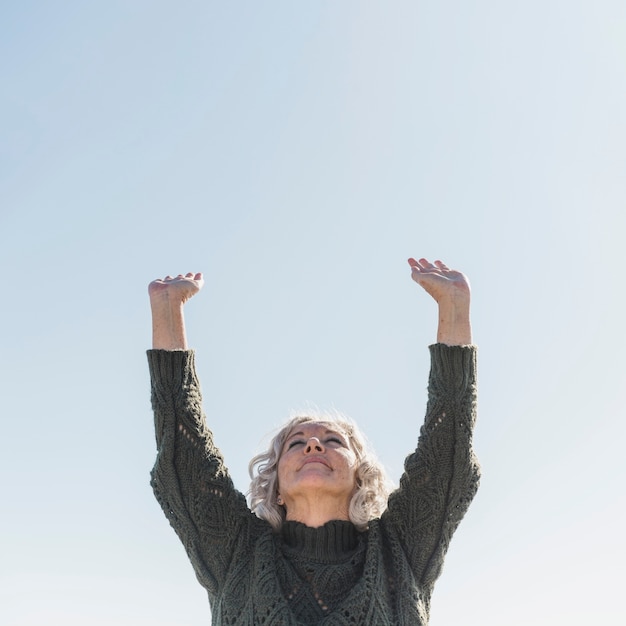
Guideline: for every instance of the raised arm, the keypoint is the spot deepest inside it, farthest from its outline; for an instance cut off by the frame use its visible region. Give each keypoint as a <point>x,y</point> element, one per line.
<point>167,298</point>
<point>451,291</point>
<point>441,476</point>
<point>189,478</point>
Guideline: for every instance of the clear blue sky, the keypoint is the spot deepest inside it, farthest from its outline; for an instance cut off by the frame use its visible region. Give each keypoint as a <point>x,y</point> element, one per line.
<point>297,153</point>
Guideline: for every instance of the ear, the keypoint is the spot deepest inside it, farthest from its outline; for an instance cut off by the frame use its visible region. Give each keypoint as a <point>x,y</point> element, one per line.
<point>279,500</point>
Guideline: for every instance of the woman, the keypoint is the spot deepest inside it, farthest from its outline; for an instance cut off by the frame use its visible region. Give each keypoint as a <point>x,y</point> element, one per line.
<point>325,546</point>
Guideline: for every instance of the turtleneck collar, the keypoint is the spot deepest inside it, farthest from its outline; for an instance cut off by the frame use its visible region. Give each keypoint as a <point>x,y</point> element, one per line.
<point>331,542</point>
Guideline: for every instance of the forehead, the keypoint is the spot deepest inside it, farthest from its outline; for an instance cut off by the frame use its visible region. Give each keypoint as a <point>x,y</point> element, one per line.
<point>315,429</point>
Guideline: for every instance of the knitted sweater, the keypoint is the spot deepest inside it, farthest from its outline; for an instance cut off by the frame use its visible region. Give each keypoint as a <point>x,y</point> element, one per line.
<point>333,575</point>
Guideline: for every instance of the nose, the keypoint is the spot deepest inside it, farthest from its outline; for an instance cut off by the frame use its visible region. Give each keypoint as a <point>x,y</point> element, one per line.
<point>313,445</point>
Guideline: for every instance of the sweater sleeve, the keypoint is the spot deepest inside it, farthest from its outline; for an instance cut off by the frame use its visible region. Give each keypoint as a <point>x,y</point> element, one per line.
<point>441,477</point>
<point>189,478</point>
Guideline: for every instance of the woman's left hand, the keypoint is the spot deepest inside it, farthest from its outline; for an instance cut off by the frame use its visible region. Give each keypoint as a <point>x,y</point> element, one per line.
<point>439,280</point>
<point>451,291</point>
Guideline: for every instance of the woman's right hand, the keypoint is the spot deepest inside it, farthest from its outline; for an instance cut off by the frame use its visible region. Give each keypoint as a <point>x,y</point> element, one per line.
<point>178,289</point>
<point>167,297</point>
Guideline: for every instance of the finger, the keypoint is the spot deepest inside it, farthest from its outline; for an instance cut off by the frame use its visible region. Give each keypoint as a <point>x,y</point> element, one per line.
<point>442,266</point>
<point>417,265</point>
<point>198,276</point>
<point>426,264</point>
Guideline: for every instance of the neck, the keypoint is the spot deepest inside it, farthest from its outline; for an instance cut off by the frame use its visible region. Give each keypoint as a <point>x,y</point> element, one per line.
<point>315,512</point>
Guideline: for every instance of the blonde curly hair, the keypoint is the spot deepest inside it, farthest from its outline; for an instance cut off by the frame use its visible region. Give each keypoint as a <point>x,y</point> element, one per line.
<point>373,487</point>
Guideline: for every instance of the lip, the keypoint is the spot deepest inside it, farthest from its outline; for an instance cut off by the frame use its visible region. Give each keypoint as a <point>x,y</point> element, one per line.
<point>315,459</point>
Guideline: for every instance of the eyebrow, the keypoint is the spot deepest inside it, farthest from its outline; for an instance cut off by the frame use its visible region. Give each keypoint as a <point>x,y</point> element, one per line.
<point>300,433</point>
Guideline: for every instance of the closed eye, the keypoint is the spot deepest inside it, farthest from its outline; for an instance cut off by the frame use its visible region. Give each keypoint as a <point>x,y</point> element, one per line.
<point>294,443</point>
<point>336,440</point>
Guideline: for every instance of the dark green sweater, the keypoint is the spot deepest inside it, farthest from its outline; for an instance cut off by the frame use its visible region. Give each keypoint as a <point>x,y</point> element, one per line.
<point>333,575</point>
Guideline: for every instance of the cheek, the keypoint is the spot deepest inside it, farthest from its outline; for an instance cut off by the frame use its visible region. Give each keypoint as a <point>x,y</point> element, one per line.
<point>279,469</point>
<point>282,468</point>
<point>350,463</point>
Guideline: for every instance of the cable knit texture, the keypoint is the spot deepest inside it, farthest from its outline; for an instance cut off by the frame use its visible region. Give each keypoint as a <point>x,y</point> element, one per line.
<point>333,575</point>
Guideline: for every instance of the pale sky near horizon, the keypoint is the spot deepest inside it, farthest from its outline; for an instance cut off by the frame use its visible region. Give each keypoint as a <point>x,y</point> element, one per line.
<point>298,154</point>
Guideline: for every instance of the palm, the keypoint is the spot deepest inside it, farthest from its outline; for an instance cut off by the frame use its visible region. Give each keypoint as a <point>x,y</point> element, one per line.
<point>439,280</point>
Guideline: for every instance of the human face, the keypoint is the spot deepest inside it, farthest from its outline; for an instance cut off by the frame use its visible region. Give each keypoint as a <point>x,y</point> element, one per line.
<point>317,461</point>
